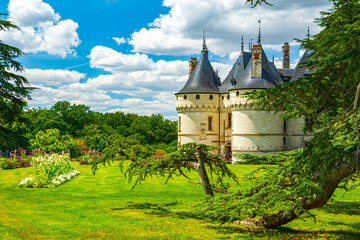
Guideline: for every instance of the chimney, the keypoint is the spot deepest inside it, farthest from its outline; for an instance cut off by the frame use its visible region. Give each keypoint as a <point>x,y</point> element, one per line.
<point>192,64</point>
<point>256,62</point>
<point>286,55</point>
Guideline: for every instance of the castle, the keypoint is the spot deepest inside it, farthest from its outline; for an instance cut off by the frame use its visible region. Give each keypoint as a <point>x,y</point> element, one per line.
<point>218,114</point>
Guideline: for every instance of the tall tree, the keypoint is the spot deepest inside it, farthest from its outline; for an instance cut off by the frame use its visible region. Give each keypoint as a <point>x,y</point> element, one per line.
<point>328,99</point>
<point>14,89</point>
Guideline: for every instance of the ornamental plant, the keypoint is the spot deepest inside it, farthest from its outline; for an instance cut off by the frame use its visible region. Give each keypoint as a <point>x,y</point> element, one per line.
<point>89,156</point>
<point>15,159</point>
<point>48,169</point>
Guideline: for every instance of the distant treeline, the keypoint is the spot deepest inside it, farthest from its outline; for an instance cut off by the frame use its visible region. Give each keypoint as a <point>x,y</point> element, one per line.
<point>90,129</point>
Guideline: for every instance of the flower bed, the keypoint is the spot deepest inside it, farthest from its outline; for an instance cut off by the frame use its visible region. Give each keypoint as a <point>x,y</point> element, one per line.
<point>49,171</point>
<point>15,159</point>
<point>89,156</point>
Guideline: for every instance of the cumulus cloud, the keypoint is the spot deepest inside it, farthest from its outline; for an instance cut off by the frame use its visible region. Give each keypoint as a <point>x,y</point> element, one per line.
<point>52,77</point>
<point>179,31</point>
<point>41,29</point>
<point>119,40</point>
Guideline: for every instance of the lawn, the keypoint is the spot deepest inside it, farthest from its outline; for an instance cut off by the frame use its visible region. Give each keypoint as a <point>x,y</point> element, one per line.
<point>102,206</point>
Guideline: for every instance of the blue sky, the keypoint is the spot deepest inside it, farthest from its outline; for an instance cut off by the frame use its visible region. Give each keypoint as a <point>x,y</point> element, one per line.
<point>132,56</point>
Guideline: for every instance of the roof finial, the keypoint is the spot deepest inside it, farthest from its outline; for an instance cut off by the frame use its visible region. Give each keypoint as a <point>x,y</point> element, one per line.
<point>259,37</point>
<point>308,34</point>
<point>249,45</point>
<point>273,59</point>
<point>204,50</point>
<point>242,43</point>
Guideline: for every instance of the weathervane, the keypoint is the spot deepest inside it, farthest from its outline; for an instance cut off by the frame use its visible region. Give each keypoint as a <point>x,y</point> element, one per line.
<point>259,37</point>
<point>242,43</point>
<point>204,42</point>
<point>308,34</point>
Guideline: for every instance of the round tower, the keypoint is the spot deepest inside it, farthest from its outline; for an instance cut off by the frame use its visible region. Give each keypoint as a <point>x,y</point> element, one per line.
<point>197,104</point>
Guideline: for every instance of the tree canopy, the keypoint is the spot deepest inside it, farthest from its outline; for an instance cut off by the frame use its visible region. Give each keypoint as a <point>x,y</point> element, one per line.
<point>328,99</point>
<point>14,90</point>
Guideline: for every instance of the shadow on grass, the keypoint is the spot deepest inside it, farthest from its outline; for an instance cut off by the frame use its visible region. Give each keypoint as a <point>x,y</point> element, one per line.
<point>349,208</point>
<point>282,233</point>
<point>160,210</point>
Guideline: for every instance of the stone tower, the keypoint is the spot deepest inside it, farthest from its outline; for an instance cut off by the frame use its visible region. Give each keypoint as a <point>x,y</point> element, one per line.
<point>197,104</point>
<point>286,55</point>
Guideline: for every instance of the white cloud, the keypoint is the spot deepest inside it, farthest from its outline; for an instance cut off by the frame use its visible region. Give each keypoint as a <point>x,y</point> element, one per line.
<point>41,29</point>
<point>180,31</point>
<point>119,40</point>
<point>52,77</point>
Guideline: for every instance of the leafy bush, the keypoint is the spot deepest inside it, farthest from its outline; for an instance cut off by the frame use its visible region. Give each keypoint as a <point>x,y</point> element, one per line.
<point>46,169</point>
<point>52,141</point>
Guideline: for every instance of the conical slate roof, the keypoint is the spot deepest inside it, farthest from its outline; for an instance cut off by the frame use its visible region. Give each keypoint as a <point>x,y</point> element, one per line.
<point>300,71</point>
<point>237,71</point>
<point>203,78</point>
<point>270,77</point>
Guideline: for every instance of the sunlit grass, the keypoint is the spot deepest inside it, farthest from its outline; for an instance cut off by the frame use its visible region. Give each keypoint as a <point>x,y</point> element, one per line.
<point>103,206</point>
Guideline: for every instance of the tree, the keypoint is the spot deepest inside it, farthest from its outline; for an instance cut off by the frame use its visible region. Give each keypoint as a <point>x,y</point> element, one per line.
<point>187,158</point>
<point>306,178</point>
<point>14,90</point>
<point>328,99</point>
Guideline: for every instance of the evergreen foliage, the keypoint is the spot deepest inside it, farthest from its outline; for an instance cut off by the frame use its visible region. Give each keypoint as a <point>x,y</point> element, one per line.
<point>328,98</point>
<point>14,91</point>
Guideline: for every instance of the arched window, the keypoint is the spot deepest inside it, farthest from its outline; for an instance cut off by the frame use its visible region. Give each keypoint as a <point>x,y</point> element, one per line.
<point>228,96</point>
<point>211,97</point>
<point>237,93</point>
<point>222,97</point>
<point>184,96</point>
<point>197,96</point>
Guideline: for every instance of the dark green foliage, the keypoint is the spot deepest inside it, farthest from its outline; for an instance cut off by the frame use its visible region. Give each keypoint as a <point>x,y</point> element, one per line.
<point>178,163</point>
<point>328,98</point>
<point>268,159</point>
<point>14,91</point>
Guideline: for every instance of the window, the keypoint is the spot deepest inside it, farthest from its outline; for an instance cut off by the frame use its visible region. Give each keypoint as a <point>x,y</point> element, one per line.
<point>229,120</point>
<point>210,123</point>
<point>184,96</point>
<point>211,97</point>
<point>222,97</point>
<point>197,96</point>
<point>179,124</point>
<point>228,96</point>
<point>237,93</point>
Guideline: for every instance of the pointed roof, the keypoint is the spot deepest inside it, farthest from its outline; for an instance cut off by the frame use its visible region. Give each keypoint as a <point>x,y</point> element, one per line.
<point>237,71</point>
<point>241,73</point>
<point>203,78</point>
<point>300,70</point>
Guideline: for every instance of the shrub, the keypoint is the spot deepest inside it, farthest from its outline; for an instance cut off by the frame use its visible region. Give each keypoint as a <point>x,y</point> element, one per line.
<point>47,168</point>
<point>52,141</point>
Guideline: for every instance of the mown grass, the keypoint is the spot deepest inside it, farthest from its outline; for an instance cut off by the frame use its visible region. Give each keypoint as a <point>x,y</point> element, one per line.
<point>103,207</point>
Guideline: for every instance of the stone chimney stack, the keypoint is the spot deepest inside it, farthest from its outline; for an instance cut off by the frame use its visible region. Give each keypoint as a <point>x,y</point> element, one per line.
<point>286,55</point>
<point>256,62</point>
<point>192,64</point>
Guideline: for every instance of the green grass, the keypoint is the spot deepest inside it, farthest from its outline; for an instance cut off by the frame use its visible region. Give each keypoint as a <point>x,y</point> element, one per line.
<point>103,207</point>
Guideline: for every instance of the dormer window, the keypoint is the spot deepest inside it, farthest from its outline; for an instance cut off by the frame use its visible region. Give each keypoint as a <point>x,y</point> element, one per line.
<point>211,97</point>
<point>197,96</point>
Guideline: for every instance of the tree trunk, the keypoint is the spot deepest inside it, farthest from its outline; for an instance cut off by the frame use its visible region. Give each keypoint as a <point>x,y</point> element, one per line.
<point>333,178</point>
<point>204,179</point>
